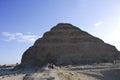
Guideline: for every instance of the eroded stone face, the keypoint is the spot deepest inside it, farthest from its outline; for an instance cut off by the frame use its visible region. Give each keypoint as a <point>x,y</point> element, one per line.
<point>66,44</point>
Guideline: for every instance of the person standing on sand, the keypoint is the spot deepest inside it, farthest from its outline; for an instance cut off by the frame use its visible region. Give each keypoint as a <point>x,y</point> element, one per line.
<point>52,66</point>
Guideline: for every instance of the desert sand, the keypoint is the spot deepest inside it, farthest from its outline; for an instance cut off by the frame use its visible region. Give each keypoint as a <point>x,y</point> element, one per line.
<point>102,71</point>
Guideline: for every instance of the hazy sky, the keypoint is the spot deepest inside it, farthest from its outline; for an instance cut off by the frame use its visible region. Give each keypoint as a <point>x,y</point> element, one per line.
<point>23,21</point>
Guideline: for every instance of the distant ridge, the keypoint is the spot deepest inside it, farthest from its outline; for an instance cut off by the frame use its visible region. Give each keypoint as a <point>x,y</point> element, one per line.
<point>66,44</point>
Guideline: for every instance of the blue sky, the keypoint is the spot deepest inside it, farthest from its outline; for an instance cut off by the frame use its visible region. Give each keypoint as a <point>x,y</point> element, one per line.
<point>23,21</point>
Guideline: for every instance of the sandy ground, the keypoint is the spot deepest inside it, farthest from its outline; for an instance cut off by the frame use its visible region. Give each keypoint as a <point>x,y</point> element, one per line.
<point>83,72</point>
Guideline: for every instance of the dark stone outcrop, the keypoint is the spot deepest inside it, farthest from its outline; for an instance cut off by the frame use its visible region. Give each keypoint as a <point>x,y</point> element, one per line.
<point>66,44</point>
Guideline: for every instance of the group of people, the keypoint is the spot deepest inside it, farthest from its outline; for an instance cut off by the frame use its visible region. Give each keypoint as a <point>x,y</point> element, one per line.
<point>51,66</point>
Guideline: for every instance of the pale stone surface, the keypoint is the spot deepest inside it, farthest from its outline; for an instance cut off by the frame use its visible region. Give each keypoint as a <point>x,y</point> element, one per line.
<point>66,44</point>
